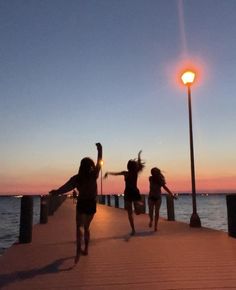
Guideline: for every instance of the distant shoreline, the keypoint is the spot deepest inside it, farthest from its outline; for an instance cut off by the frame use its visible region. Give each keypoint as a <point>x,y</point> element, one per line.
<point>179,194</point>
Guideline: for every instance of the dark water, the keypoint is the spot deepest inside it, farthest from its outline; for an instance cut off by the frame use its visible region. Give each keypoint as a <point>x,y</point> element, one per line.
<point>211,209</point>
<point>10,219</point>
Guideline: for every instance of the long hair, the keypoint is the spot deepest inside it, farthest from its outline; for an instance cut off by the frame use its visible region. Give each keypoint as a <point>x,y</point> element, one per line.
<point>135,166</point>
<point>86,169</point>
<point>157,175</point>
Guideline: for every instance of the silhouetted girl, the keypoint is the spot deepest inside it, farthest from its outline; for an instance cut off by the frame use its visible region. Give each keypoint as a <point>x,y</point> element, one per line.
<point>131,193</point>
<point>86,183</point>
<point>157,181</point>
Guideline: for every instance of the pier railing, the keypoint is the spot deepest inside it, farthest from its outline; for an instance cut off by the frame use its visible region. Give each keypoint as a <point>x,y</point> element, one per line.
<point>50,203</point>
<point>118,202</point>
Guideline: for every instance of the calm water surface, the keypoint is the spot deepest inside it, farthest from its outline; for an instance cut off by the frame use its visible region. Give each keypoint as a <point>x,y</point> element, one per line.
<point>10,219</point>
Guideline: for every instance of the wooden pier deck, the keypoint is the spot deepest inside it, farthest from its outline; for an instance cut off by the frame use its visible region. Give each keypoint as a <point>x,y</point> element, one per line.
<point>176,257</point>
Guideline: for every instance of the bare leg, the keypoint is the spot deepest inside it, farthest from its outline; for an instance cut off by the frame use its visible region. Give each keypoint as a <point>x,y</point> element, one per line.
<point>87,221</point>
<point>128,207</point>
<point>78,243</point>
<point>131,221</point>
<point>86,241</point>
<point>156,219</point>
<point>157,210</point>
<point>150,205</point>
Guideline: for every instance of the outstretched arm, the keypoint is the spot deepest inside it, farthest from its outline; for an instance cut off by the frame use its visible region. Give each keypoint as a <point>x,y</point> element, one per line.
<point>169,191</point>
<point>68,186</point>
<point>114,173</point>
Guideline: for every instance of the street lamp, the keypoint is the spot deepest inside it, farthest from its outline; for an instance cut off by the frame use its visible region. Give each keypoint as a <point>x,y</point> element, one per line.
<point>188,79</point>
<point>101,164</point>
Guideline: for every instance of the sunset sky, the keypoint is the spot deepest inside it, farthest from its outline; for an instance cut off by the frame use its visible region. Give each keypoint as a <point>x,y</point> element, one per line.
<point>77,72</point>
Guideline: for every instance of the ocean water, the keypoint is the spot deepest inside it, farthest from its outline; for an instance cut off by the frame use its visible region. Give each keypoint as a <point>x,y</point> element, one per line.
<point>10,219</point>
<point>211,209</point>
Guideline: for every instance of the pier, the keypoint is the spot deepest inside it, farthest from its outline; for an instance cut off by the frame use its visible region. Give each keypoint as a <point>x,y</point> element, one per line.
<point>175,257</point>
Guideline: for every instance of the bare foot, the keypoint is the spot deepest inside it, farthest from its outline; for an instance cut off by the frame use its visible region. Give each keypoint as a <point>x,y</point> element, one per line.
<point>133,233</point>
<point>77,258</point>
<point>84,252</point>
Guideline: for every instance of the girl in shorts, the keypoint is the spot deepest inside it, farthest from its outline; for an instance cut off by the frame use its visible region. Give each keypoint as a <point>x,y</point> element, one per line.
<point>156,181</point>
<point>86,184</point>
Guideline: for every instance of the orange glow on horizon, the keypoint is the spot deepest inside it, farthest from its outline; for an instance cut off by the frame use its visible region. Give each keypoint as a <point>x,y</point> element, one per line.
<point>115,185</point>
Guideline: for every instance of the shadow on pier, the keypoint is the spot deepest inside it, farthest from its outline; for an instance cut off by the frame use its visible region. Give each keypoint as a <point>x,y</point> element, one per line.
<point>52,268</point>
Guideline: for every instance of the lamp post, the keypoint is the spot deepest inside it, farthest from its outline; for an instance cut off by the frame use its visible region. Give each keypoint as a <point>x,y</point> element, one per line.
<point>101,164</point>
<point>188,79</point>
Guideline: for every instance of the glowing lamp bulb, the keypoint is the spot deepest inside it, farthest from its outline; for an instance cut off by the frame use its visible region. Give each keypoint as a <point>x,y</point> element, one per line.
<point>188,77</point>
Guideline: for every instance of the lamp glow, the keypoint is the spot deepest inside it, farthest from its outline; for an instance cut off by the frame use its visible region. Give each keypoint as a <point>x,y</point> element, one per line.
<point>188,77</point>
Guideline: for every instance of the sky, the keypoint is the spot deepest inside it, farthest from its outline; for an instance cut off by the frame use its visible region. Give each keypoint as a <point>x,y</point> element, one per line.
<point>77,72</point>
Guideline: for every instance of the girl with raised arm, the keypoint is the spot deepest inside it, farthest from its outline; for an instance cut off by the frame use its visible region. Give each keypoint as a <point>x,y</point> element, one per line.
<point>86,184</point>
<point>131,194</point>
<point>156,181</point>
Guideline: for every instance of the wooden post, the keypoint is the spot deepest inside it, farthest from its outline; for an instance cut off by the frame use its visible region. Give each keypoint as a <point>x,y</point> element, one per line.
<point>103,199</point>
<point>51,204</point>
<point>116,201</point>
<point>26,219</point>
<point>143,199</point>
<point>231,214</point>
<point>170,208</point>
<point>123,197</point>
<point>44,209</point>
<point>108,200</point>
